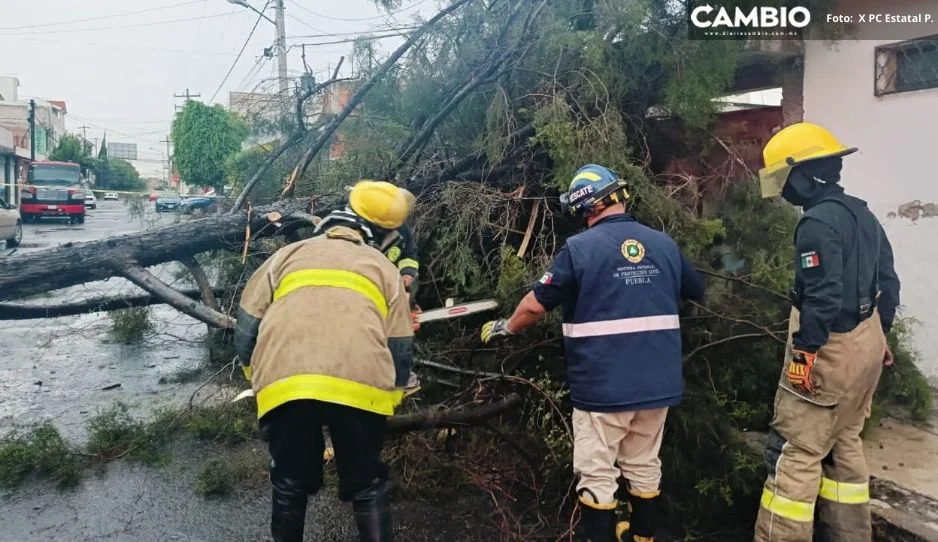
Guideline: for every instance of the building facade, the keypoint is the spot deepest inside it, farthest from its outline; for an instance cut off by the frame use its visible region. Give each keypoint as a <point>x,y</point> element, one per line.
<point>879,93</point>
<point>14,116</point>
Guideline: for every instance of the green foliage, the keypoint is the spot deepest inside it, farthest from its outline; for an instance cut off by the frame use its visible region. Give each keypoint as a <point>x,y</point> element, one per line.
<point>204,138</point>
<point>112,433</point>
<point>70,149</point>
<point>220,475</point>
<point>117,174</point>
<point>42,450</point>
<point>130,325</point>
<point>903,384</point>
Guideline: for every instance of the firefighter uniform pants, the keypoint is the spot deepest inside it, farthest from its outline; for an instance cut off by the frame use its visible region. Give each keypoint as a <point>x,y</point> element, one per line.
<point>293,432</point>
<point>632,439</point>
<point>814,453</point>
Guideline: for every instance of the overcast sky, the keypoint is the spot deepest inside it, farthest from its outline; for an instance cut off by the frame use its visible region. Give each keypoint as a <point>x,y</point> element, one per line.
<point>117,63</point>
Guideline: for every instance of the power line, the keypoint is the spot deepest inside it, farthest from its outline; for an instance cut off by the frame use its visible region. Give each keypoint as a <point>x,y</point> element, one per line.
<point>311,12</point>
<point>359,33</point>
<point>195,40</point>
<point>241,52</point>
<point>131,46</point>
<point>121,27</point>
<point>113,16</point>
<point>363,38</point>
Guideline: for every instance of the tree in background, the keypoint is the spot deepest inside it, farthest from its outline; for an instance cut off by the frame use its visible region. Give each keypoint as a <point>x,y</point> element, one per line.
<point>117,174</point>
<point>204,138</point>
<point>70,149</point>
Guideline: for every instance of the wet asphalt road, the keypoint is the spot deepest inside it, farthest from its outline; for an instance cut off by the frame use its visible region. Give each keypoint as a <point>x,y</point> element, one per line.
<point>54,370</point>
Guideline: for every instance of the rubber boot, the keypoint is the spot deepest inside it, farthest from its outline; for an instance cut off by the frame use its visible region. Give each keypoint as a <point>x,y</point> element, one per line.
<point>288,512</point>
<point>597,521</point>
<point>372,508</point>
<point>643,520</point>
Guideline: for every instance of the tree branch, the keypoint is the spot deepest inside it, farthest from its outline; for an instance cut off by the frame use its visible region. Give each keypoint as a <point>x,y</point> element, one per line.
<point>359,95</point>
<point>135,273</point>
<point>446,417</point>
<point>9,311</point>
<point>724,340</point>
<point>746,282</point>
<point>291,140</point>
<point>201,280</point>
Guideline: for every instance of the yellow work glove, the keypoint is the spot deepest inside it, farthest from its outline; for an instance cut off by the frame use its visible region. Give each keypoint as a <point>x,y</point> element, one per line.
<point>246,369</point>
<point>495,328</point>
<point>799,370</point>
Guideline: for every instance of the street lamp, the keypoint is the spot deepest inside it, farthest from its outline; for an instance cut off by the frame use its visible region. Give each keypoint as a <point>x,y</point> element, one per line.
<point>281,43</point>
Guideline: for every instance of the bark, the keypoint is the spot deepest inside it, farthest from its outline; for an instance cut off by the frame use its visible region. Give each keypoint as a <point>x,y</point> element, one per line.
<point>10,311</point>
<point>77,263</point>
<point>444,417</point>
<point>133,272</point>
<point>201,280</point>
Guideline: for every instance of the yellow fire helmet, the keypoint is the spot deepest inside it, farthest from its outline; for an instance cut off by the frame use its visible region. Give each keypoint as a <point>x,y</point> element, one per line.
<point>796,144</point>
<point>381,203</point>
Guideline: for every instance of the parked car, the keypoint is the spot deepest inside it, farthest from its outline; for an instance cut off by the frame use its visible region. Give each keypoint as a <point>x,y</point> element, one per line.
<point>90,200</point>
<point>198,203</point>
<point>112,196</point>
<point>167,202</point>
<point>11,224</point>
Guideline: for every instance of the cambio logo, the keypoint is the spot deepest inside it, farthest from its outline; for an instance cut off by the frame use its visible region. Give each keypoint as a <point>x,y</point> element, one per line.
<point>758,17</point>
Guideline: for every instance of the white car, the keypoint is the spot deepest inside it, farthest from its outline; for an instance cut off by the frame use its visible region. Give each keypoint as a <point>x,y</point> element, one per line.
<point>11,225</point>
<point>91,202</point>
<point>110,196</point>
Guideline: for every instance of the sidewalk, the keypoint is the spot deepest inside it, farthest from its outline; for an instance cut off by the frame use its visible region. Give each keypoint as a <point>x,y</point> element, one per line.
<point>903,459</point>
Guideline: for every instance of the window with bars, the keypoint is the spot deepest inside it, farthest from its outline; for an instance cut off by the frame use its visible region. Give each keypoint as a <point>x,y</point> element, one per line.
<point>906,66</point>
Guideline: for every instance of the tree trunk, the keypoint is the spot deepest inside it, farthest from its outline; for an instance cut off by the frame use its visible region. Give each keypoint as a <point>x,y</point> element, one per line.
<point>77,263</point>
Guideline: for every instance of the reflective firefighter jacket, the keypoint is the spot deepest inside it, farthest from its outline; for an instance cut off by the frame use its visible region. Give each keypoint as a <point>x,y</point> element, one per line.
<point>326,318</point>
<point>620,285</point>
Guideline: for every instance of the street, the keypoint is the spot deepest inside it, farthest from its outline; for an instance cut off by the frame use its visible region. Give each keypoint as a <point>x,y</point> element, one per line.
<point>55,369</point>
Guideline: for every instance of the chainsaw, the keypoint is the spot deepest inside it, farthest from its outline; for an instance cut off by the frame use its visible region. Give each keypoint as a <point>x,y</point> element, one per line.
<point>447,311</point>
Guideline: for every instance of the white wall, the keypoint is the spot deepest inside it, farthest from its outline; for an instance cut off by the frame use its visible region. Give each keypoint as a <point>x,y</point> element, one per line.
<point>897,163</point>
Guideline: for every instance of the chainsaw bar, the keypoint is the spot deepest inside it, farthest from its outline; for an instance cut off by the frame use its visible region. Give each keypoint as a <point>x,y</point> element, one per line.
<point>457,311</point>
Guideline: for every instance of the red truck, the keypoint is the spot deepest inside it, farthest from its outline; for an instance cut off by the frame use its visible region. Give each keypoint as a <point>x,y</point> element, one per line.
<point>53,189</point>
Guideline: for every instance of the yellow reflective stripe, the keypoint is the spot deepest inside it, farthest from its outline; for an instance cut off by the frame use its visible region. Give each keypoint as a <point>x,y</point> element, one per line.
<point>844,492</point>
<point>787,508</point>
<point>408,262</point>
<point>599,506</point>
<point>588,175</point>
<point>645,494</point>
<point>336,279</point>
<point>329,389</point>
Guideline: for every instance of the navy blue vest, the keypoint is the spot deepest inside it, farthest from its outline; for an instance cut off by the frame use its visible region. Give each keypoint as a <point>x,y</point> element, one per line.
<point>622,336</point>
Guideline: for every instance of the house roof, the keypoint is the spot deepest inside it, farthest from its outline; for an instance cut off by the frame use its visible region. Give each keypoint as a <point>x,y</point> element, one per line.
<point>60,104</point>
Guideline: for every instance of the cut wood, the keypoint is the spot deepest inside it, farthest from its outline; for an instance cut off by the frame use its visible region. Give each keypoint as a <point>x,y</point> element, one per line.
<point>446,417</point>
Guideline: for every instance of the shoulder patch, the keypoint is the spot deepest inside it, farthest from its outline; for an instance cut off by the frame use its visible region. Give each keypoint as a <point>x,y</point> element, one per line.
<point>810,260</point>
<point>546,278</point>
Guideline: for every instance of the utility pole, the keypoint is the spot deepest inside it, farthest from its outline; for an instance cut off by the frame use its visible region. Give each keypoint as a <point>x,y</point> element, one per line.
<point>282,48</point>
<point>187,96</point>
<point>84,136</point>
<point>169,159</point>
<point>32,130</point>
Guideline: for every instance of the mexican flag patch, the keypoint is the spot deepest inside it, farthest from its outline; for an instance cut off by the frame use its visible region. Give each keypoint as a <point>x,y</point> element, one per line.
<point>810,260</point>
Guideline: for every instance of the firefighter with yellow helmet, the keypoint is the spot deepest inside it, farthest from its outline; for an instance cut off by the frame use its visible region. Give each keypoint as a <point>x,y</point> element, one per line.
<point>324,335</point>
<point>844,303</point>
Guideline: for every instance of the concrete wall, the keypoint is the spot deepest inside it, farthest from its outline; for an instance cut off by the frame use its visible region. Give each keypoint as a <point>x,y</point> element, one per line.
<point>897,163</point>
<point>9,88</point>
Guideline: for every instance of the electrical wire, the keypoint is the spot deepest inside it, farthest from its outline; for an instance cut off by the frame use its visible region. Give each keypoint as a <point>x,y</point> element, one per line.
<point>130,46</point>
<point>359,33</point>
<point>195,40</point>
<point>353,40</point>
<point>241,52</point>
<point>113,16</point>
<point>121,27</point>
<point>311,12</point>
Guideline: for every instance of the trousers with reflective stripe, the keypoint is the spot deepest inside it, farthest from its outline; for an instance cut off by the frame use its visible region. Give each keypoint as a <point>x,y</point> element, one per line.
<point>814,453</point>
